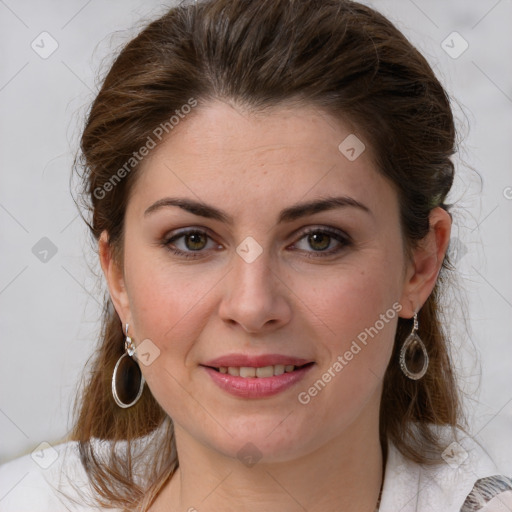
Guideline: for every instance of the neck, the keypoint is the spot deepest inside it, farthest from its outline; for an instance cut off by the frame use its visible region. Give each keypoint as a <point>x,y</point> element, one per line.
<point>345,473</point>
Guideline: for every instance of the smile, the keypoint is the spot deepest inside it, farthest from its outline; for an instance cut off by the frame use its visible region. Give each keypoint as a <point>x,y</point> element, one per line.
<point>257,382</point>
<point>260,372</point>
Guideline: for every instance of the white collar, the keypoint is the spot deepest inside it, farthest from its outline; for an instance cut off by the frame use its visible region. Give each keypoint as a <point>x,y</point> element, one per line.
<point>412,487</point>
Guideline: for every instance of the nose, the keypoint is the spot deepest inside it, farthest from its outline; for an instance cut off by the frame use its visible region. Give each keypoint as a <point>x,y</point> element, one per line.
<point>255,296</point>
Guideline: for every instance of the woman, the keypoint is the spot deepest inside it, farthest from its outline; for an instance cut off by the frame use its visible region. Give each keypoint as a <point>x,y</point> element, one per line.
<point>267,183</point>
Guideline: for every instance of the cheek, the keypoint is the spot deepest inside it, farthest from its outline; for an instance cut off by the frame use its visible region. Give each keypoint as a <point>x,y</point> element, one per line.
<point>356,353</point>
<point>351,298</point>
<point>167,308</point>
<point>359,309</point>
<point>166,302</point>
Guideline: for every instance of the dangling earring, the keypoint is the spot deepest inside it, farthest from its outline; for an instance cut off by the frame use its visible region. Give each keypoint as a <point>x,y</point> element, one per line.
<point>127,379</point>
<point>413,354</point>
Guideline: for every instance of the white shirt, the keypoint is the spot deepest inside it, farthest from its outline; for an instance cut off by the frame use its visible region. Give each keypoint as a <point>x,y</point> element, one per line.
<point>31,483</point>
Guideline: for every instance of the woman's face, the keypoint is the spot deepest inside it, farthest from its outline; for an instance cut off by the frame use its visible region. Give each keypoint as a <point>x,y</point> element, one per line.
<point>259,274</point>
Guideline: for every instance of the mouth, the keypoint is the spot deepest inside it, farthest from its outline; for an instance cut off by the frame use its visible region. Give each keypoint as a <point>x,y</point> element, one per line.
<point>255,382</point>
<point>260,372</point>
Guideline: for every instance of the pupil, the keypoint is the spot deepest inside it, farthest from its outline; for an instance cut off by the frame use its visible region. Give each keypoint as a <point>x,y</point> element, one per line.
<point>194,238</point>
<point>319,237</point>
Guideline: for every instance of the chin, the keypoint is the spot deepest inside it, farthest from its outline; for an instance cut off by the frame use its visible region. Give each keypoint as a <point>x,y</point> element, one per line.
<point>255,441</point>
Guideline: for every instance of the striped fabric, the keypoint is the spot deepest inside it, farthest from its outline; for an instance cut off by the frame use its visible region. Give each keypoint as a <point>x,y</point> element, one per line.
<point>497,488</point>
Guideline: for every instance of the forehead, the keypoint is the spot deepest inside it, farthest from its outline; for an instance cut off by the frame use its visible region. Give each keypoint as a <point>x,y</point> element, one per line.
<point>221,130</point>
<point>286,152</point>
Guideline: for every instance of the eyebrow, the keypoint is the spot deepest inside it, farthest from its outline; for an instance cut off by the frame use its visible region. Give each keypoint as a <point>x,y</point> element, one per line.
<point>287,215</point>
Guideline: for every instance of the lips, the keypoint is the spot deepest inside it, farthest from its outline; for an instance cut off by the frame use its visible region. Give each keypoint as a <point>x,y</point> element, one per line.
<point>257,376</point>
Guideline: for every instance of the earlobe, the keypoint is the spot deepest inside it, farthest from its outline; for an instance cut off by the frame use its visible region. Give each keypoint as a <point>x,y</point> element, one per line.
<point>427,261</point>
<point>114,277</point>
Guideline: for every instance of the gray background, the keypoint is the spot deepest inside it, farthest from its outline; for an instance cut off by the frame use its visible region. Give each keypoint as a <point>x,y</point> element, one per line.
<point>49,307</point>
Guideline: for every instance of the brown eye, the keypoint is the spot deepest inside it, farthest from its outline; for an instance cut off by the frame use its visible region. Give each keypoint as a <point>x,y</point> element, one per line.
<point>191,243</point>
<point>319,241</point>
<point>195,241</point>
<point>322,242</point>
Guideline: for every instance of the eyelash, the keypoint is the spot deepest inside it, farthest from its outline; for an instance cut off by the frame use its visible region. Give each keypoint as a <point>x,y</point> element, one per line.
<point>332,233</point>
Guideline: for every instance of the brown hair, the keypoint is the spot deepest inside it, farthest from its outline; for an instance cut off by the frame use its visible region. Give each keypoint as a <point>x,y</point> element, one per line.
<point>337,55</point>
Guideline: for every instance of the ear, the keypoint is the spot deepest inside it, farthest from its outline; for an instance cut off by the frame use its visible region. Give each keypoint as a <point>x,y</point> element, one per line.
<point>115,279</point>
<point>422,272</point>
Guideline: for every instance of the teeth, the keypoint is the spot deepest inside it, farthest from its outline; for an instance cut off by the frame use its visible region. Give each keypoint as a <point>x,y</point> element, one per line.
<point>278,369</point>
<point>262,372</point>
<point>266,371</point>
<point>245,371</point>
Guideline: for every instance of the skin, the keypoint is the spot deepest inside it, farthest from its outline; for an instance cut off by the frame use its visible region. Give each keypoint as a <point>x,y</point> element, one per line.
<point>325,455</point>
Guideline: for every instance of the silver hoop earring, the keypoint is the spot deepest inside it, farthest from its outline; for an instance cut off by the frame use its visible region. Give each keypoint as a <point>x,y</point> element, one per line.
<point>413,354</point>
<point>127,379</point>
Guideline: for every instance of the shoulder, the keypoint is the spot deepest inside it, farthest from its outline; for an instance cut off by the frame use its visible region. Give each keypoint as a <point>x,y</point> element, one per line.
<point>49,479</point>
<point>467,479</point>
<point>490,494</point>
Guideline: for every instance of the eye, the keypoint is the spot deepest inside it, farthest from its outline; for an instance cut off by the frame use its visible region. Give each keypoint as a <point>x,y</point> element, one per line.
<point>194,243</point>
<point>188,242</point>
<point>320,240</point>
